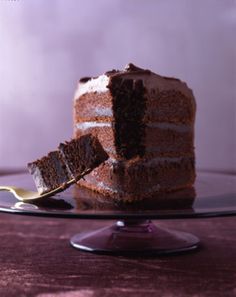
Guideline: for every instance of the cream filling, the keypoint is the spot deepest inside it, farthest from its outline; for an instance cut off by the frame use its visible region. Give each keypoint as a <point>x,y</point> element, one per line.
<point>105,112</point>
<point>98,85</point>
<point>165,126</point>
<point>170,126</point>
<point>38,181</point>
<point>102,186</point>
<point>88,125</point>
<point>154,161</point>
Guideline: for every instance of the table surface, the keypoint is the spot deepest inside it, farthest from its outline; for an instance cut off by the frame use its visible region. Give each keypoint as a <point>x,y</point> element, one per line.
<point>36,259</point>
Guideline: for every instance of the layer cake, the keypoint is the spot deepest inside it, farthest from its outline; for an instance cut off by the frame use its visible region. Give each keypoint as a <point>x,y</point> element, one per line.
<point>145,123</point>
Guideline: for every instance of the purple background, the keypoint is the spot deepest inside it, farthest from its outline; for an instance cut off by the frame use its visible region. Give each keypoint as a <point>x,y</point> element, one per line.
<point>46,46</point>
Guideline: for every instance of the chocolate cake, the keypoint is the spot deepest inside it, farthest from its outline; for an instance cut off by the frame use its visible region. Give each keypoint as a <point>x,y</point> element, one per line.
<point>145,122</point>
<point>72,160</point>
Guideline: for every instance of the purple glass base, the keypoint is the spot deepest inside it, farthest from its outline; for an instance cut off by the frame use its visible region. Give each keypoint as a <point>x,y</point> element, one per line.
<point>130,237</point>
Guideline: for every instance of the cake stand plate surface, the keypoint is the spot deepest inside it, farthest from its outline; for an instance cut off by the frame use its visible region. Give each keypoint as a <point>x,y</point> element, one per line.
<point>213,195</point>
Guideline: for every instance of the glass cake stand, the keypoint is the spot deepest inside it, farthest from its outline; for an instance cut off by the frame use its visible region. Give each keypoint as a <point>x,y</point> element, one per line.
<point>214,195</point>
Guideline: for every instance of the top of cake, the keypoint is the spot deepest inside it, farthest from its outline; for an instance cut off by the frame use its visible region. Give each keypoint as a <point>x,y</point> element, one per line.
<point>150,81</point>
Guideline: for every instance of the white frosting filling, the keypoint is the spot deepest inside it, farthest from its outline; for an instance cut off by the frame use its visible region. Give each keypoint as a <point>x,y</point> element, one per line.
<point>88,125</point>
<point>104,112</point>
<point>98,85</point>
<point>158,160</point>
<point>101,185</point>
<point>37,174</point>
<point>179,128</point>
<point>154,161</point>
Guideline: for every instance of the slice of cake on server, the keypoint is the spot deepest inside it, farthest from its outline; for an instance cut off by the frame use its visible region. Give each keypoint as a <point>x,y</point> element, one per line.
<point>145,122</point>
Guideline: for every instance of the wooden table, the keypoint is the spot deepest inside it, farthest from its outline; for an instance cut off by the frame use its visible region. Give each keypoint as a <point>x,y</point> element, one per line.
<point>37,260</point>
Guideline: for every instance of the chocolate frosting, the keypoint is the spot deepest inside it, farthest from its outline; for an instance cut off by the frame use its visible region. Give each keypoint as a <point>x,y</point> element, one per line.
<point>85,79</point>
<point>129,68</point>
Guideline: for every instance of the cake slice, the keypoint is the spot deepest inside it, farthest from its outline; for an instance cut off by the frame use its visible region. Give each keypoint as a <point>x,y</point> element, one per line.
<point>82,155</point>
<point>49,172</point>
<point>72,160</point>
<point>145,122</point>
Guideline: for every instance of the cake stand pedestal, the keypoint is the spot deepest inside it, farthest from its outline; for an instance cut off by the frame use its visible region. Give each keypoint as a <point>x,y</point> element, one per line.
<point>134,232</point>
<point>135,237</point>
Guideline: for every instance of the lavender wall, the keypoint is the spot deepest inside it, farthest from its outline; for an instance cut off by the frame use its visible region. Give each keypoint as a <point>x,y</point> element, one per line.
<point>46,46</point>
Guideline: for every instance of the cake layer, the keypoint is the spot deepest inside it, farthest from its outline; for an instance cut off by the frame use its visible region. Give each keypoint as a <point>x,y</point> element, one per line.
<point>93,107</point>
<point>167,106</point>
<point>140,178</point>
<point>87,199</point>
<point>82,154</point>
<point>166,99</point>
<point>158,138</point>
<point>170,106</point>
